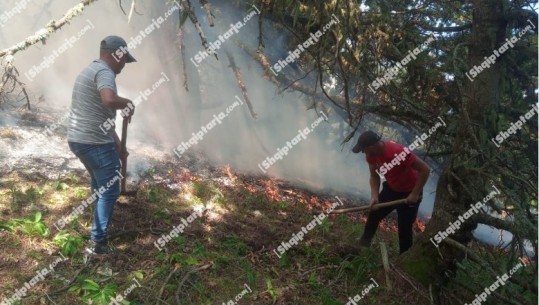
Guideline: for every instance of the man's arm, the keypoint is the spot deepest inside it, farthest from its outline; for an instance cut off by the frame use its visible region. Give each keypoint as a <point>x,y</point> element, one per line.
<point>424,171</point>
<point>374,182</point>
<point>111,100</point>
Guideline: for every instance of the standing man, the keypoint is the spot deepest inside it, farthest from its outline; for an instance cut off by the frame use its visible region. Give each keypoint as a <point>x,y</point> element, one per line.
<point>94,102</point>
<point>405,176</point>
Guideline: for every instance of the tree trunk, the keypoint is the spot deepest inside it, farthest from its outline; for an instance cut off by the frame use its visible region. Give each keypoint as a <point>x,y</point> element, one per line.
<point>454,190</point>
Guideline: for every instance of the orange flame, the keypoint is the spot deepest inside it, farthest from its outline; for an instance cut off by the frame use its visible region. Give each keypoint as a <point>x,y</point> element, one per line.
<point>525,260</point>
<point>272,191</point>
<point>229,173</point>
<point>420,225</point>
<point>251,188</point>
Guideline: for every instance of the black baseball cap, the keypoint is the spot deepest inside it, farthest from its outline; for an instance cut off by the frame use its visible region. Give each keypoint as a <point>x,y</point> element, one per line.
<point>366,139</point>
<point>114,43</point>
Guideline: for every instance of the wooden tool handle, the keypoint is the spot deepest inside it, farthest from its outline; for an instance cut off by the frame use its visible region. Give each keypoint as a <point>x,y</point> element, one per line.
<point>367,207</point>
<point>123,155</point>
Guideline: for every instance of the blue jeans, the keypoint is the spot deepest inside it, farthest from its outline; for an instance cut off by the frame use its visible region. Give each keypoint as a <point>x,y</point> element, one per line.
<point>103,163</point>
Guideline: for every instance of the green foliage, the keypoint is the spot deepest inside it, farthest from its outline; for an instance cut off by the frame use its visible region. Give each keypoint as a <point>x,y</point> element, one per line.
<point>150,172</point>
<point>317,254</point>
<point>325,226</point>
<point>360,266</point>
<point>271,290</point>
<point>283,204</point>
<point>31,226</point>
<point>162,213</point>
<point>183,259</point>
<point>59,185</point>
<point>33,194</point>
<point>250,273</point>
<point>206,191</point>
<point>284,260</point>
<point>81,193</point>
<point>68,243</point>
<point>152,194</point>
<point>94,294</point>
<point>234,244</point>
<point>199,250</point>
<point>17,196</point>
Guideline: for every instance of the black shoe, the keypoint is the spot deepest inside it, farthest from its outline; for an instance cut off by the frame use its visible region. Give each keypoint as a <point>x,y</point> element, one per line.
<point>364,244</point>
<point>100,248</point>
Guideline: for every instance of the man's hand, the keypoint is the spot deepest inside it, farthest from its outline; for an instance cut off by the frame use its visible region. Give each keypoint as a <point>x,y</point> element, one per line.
<point>412,198</point>
<point>131,107</point>
<point>124,154</point>
<point>374,201</point>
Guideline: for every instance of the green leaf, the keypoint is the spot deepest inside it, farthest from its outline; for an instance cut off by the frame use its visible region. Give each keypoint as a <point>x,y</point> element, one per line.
<point>139,275</point>
<point>6,226</point>
<point>37,217</point>
<point>90,285</point>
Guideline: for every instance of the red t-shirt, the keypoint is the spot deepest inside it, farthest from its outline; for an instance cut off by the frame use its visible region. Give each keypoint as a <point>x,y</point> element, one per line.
<point>396,166</point>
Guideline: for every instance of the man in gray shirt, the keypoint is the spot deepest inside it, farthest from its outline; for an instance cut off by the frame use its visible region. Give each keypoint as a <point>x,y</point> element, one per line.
<point>91,135</point>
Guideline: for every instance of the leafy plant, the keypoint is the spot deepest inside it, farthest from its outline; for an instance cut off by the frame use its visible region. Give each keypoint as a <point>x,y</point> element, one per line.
<point>206,190</point>
<point>152,194</point>
<point>199,250</point>
<point>81,193</point>
<point>150,172</point>
<point>94,294</point>
<point>317,254</point>
<point>69,243</point>
<point>73,179</point>
<point>16,197</point>
<point>283,204</point>
<point>59,185</point>
<point>33,194</point>
<point>251,274</point>
<point>361,266</point>
<point>31,226</point>
<point>284,261</point>
<point>271,290</point>
<point>162,213</point>
<point>234,244</point>
<point>183,259</point>
<point>325,226</point>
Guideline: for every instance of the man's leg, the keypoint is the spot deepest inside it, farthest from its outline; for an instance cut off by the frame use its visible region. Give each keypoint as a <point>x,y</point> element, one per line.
<point>374,218</point>
<point>103,164</point>
<point>108,190</point>
<point>80,150</point>
<point>407,215</point>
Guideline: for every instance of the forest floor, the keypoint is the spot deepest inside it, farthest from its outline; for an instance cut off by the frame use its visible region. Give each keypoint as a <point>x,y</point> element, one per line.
<point>229,255</point>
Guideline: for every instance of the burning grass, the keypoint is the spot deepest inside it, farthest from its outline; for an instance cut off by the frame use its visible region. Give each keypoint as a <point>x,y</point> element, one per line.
<point>229,247</point>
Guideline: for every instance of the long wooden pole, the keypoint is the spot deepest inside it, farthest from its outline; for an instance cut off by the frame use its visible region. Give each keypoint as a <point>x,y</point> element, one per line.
<point>368,207</point>
<point>123,155</point>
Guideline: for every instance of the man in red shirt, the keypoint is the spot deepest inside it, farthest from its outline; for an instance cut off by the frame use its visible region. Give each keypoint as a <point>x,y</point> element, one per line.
<point>405,176</point>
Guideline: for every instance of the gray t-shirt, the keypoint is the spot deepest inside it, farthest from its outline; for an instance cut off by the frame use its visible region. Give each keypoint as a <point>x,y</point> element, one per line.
<point>88,112</point>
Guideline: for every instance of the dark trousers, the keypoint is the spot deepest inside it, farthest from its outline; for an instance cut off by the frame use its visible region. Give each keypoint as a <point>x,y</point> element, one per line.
<point>407,214</point>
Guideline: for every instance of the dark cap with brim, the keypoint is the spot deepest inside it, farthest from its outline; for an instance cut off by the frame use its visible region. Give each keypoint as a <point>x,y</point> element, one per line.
<point>115,43</point>
<point>366,139</point>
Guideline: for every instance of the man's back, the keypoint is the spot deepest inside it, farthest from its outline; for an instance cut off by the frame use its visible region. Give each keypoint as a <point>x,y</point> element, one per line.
<point>88,112</point>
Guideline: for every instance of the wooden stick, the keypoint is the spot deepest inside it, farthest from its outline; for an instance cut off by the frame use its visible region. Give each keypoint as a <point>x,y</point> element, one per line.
<point>385,262</point>
<point>368,207</point>
<point>123,155</point>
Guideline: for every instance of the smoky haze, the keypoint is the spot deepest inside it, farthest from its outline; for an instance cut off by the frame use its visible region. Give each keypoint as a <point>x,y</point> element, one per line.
<point>171,114</point>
